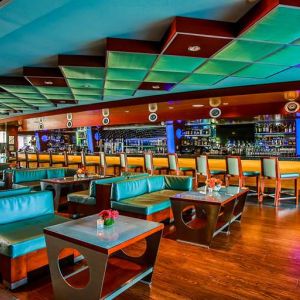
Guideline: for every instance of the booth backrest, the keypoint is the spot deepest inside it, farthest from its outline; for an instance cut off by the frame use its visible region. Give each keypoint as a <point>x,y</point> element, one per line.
<point>26,206</point>
<point>179,183</point>
<point>15,191</point>
<point>55,173</point>
<point>156,183</point>
<point>103,181</point>
<point>129,188</point>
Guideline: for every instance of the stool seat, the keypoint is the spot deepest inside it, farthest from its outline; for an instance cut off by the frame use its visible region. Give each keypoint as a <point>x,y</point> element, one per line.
<point>112,165</point>
<point>251,173</point>
<point>186,169</point>
<point>160,168</point>
<point>44,160</point>
<point>217,172</point>
<point>91,164</point>
<point>134,166</point>
<point>289,175</point>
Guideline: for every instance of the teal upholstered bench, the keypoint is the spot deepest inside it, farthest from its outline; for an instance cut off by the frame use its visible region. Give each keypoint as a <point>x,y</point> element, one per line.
<point>85,202</point>
<point>16,189</point>
<point>22,242</point>
<point>32,177</point>
<point>148,198</point>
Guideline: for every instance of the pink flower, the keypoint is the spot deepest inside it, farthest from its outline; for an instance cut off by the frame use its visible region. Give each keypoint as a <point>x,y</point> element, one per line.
<point>109,214</point>
<point>114,214</point>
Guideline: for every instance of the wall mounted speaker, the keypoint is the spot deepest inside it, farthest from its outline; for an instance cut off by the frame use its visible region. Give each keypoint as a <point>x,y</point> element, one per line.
<point>152,107</point>
<point>69,124</point>
<point>41,126</point>
<point>292,107</point>
<point>105,121</point>
<point>69,116</point>
<point>105,112</point>
<point>215,102</point>
<point>153,117</point>
<point>215,112</point>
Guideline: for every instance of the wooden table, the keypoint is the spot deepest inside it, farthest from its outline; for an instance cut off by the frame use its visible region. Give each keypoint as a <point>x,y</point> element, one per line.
<point>67,182</point>
<point>213,213</point>
<point>111,270</point>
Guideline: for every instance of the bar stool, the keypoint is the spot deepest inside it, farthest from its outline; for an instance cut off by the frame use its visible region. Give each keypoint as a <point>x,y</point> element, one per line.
<point>104,166</point>
<point>149,166</point>
<point>19,159</point>
<point>202,168</point>
<point>32,159</point>
<point>53,162</point>
<point>42,161</point>
<point>124,167</point>
<point>270,170</point>
<point>89,164</point>
<point>234,169</point>
<point>69,163</point>
<point>173,166</point>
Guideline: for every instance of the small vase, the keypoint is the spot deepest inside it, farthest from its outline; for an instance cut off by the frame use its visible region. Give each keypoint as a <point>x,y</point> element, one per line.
<point>210,190</point>
<point>217,187</point>
<point>109,222</point>
<point>100,223</point>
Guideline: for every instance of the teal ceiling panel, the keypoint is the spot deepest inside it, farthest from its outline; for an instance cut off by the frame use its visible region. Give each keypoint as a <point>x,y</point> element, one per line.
<point>59,96</point>
<point>111,92</point>
<point>281,25</point>
<point>172,63</point>
<point>168,77</point>
<point>259,71</point>
<point>288,56</point>
<point>87,91</point>
<point>86,84</point>
<point>246,51</point>
<point>88,97</point>
<point>29,96</point>
<point>220,67</point>
<point>83,72</point>
<point>126,85</point>
<point>53,90</point>
<point>126,75</point>
<point>19,88</point>
<point>7,96</point>
<point>202,79</point>
<point>125,60</point>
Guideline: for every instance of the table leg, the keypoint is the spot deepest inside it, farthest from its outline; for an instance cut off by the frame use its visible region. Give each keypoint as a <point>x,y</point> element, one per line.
<point>97,266</point>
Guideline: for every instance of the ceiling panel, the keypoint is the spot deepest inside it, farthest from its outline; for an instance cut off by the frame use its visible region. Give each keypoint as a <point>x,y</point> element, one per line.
<point>203,79</point>
<point>83,72</point>
<point>126,74</point>
<point>172,77</point>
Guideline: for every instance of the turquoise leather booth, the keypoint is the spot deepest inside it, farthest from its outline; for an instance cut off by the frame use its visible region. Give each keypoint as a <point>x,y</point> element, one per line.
<point>147,196</point>
<point>22,221</point>
<point>15,190</point>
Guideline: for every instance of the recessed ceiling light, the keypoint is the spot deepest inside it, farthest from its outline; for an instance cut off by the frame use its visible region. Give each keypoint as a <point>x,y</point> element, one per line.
<point>156,87</point>
<point>171,107</point>
<point>48,82</point>
<point>194,48</point>
<point>225,103</point>
<point>127,111</point>
<point>86,85</point>
<point>197,105</point>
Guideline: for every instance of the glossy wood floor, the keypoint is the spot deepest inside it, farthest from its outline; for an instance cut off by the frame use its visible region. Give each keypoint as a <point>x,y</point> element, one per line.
<point>259,260</point>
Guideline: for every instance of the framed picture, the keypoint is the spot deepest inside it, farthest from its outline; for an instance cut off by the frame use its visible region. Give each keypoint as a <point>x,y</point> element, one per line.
<point>11,140</point>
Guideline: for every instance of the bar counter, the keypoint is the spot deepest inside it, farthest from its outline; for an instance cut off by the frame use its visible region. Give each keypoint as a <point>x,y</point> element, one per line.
<point>287,165</point>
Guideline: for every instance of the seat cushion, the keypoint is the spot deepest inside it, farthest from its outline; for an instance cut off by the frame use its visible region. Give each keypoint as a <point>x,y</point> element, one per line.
<point>29,175</point>
<point>182,183</point>
<point>289,175</point>
<point>134,166</point>
<point>16,190</point>
<point>146,204</point>
<point>251,173</point>
<point>217,172</point>
<point>19,238</point>
<point>82,197</point>
<point>155,183</point>
<point>55,173</point>
<point>103,181</point>
<point>186,169</point>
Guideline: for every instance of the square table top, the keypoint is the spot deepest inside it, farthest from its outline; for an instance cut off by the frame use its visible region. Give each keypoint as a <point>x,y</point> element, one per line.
<point>72,179</point>
<point>224,195</point>
<point>84,232</point>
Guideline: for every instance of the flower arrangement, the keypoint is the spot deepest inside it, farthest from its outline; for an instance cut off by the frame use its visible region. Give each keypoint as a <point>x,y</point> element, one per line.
<point>109,216</point>
<point>82,172</point>
<point>214,183</point>
<point>12,166</point>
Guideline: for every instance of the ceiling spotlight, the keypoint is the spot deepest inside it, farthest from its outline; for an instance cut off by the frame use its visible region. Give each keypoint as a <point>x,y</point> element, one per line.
<point>48,82</point>
<point>197,105</point>
<point>194,48</point>
<point>171,107</point>
<point>156,87</point>
<point>127,111</point>
<point>225,103</point>
<point>86,86</point>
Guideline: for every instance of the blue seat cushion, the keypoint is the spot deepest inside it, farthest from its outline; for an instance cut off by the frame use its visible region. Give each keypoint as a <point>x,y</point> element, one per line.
<point>186,169</point>
<point>217,172</point>
<point>155,183</point>
<point>289,175</point>
<point>82,197</point>
<point>19,238</point>
<point>251,173</point>
<point>29,175</point>
<point>55,173</point>
<point>16,190</point>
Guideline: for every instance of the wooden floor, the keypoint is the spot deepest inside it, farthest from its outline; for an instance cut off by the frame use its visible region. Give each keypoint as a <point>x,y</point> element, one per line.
<point>259,260</point>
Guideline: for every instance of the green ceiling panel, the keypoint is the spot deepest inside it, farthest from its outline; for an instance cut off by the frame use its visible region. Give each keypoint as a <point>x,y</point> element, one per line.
<point>289,56</point>
<point>126,85</point>
<point>203,79</point>
<point>82,83</point>
<point>7,96</point>
<point>220,67</point>
<point>29,96</point>
<point>59,96</point>
<point>19,88</point>
<point>87,91</point>
<point>281,26</point>
<point>259,71</point>
<point>126,75</point>
<point>172,63</point>
<point>246,51</point>
<point>53,90</point>
<point>126,60</point>
<point>88,97</point>
<point>83,72</point>
<point>168,77</point>
<point>111,92</point>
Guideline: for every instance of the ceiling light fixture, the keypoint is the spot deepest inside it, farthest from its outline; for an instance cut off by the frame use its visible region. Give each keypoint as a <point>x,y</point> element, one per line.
<point>171,107</point>
<point>194,48</point>
<point>156,87</point>
<point>225,103</point>
<point>127,111</point>
<point>197,105</point>
<point>48,82</point>
<point>86,85</point>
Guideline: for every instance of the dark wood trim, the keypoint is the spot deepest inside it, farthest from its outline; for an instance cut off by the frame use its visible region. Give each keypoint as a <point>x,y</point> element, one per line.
<point>14,80</point>
<point>42,72</point>
<point>81,60</point>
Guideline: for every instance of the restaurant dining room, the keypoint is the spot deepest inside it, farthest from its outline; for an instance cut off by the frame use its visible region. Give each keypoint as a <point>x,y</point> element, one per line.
<point>149,149</point>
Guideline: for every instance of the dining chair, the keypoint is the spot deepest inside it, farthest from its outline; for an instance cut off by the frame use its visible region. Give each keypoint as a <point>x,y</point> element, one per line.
<point>86,163</point>
<point>173,166</point>
<point>149,165</point>
<point>54,162</point>
<point>31,157</point>
<point>104,165</point>
<point>20,160</point>
<point>270,170</point>
<point>42,161</point>
<point>125,167</point>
